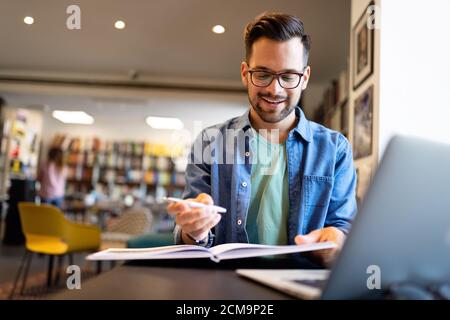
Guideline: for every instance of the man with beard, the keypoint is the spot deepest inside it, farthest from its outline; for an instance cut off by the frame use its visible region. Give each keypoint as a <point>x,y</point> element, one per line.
<point>282,178</point>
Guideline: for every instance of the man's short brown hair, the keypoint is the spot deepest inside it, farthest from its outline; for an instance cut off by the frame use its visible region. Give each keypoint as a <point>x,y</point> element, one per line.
<point>275,26</point>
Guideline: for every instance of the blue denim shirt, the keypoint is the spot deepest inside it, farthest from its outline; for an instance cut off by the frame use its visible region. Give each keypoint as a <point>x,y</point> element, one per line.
<point>321,177</point>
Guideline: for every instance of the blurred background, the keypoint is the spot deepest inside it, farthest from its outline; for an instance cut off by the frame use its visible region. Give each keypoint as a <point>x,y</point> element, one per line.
<point>166,61</point>
<point>144,77</point>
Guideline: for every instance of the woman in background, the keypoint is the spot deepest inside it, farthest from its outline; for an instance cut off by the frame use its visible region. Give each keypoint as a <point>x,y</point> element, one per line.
<point>52,177</point>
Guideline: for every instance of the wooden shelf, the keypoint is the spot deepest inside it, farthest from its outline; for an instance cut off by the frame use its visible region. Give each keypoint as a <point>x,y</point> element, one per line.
<point>78,181</point>
<point>139,159</point>
<point>119,182</point>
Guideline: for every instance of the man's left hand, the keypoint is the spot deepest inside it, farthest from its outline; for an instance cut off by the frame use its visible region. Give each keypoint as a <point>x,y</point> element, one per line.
<point>333,234</point>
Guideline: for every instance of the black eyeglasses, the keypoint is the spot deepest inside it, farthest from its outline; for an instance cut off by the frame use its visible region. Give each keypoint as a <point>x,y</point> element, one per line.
<point>287,80</point>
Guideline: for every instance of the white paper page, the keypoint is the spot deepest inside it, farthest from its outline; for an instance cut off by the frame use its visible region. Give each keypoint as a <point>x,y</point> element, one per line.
<point>156,250</point>
<point>140,256</point>
<point>236,250</point>
<point>217,250</point>
<point>166,252</point>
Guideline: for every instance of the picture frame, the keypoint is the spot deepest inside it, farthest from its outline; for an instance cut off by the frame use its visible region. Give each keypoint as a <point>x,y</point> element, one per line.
<point>363,124</point>
<point>345,118</point>
<point>363,49</point>
<point>364,178</point>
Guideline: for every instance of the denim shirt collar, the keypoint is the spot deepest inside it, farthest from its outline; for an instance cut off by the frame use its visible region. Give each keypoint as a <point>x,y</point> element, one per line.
<point>302,129</point>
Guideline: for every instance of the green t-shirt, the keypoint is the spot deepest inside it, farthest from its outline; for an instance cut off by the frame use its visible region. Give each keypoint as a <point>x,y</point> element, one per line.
<point>269,206</point>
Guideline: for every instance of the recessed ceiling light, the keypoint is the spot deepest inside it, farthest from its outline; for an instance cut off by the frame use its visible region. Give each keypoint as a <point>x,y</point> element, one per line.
<point>28,20</point>
<point>218,29</point>
<point>164,123</point>
<point>77,117</point>
<point>119,24</point>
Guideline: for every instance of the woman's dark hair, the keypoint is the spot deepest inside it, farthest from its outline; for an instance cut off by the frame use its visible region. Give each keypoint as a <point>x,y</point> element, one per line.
<point>56,156</point>
<point>275,26</point>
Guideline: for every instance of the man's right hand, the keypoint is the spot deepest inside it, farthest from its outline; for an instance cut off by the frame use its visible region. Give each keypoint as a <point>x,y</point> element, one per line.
<point>195,222</point>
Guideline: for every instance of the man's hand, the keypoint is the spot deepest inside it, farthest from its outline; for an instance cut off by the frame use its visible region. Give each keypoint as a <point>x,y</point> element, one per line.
<point>333,234</point>
<point>195,222</point>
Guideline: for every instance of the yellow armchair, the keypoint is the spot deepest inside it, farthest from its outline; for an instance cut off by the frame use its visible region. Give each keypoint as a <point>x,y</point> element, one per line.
<point>48,232</point>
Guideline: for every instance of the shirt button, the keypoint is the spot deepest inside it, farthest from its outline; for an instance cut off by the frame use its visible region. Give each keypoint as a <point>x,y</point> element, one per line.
<point>247,154</point>
<point>239,222</point>
<point>244,184</point>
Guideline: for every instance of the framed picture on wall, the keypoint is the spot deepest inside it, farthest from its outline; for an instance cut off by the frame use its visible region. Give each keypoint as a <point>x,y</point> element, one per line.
<point>363,124</point>
<point>363,42</point>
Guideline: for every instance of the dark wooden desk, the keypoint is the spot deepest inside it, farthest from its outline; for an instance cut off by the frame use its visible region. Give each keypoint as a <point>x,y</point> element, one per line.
<point>193,279</point>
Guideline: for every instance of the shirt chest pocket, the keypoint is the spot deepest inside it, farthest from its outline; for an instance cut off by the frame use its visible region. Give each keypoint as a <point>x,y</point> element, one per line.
<point>317,190</point>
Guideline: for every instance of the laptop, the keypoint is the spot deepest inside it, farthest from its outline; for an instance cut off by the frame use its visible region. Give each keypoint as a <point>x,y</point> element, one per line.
<point>401,233</point>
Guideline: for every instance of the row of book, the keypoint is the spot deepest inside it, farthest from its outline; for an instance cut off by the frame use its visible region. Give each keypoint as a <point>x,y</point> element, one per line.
<point>119,161</point>
<point>121,191</point>
<point>77,144</point>
<point>153,177</point>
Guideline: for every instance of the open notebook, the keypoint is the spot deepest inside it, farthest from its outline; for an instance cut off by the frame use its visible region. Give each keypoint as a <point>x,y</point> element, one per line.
<point>216,253</point>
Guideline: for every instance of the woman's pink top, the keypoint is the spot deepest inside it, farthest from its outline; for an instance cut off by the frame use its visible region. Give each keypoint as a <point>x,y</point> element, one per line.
<point>53,181</point>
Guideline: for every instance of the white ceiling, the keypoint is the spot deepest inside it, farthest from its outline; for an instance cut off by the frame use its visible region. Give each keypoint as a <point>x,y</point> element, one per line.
<point>163,38</point>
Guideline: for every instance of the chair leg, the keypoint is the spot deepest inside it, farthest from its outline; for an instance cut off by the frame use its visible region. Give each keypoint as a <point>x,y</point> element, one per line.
<point>50,271</point>
<point>58,269</point>
<point>99,267</point>
<point>16,281</point>
<point>25,276</point>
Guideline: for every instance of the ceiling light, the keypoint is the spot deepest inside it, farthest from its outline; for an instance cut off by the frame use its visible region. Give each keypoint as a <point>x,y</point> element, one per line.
<point>164,123</point>
<point>28,20</point>
<point>218,29</point>
<point>119,24</point>
<point>77,117</point>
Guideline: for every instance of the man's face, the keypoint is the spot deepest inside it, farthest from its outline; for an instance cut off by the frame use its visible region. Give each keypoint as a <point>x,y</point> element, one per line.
<point>274,103</point>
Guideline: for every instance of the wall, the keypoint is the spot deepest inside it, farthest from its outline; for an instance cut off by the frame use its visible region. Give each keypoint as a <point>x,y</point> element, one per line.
<point>313,97</point>
<point>415,70</point>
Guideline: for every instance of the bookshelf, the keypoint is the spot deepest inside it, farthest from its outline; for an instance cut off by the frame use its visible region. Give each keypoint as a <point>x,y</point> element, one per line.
<point>20,131</point>
<point>117,169</point>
